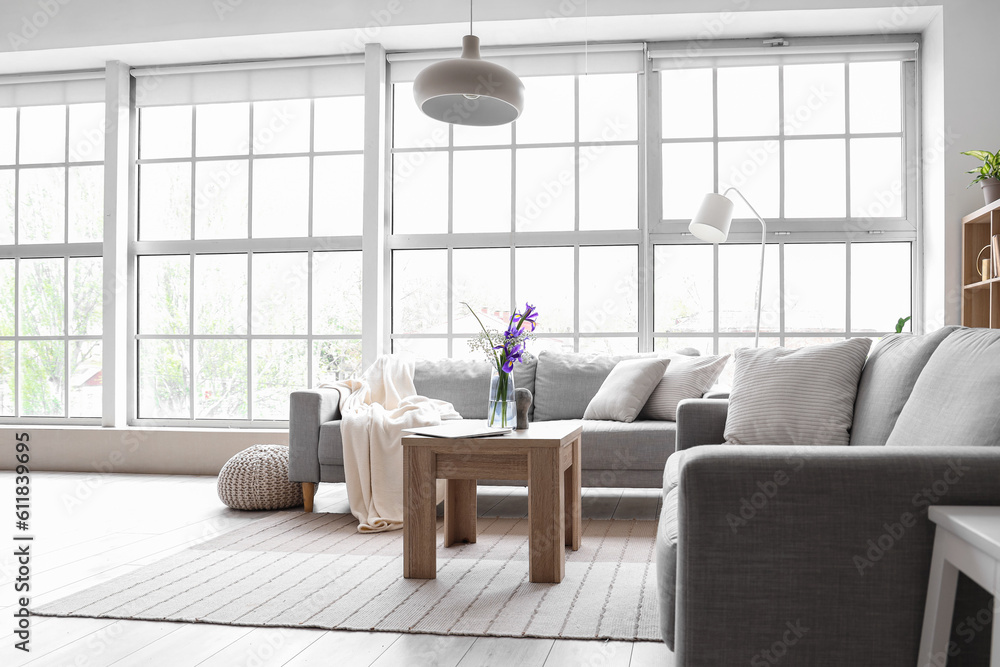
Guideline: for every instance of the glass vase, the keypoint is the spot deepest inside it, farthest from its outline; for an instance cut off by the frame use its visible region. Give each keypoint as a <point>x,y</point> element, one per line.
<point>501,413</point>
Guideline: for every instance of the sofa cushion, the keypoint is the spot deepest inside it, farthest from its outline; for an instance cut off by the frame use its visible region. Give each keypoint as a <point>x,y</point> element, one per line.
<point>686,377</point>
<point>331,446</point>
<point>465,383</point>
<point>672,472</point>
<point>783,396</point>
<point>625,391</point>
<point>566,382</point>
<point>955,400</point>
<point>607,446</point>
<point>666,566</point>
<point>886,382</point>
<point>641,445</point>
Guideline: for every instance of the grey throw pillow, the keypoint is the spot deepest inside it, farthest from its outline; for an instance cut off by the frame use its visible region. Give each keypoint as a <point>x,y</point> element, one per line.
<point>626,390</point>
<point>686,377</point>
<point>795,397</point>
<point>886,383</point>
<point>955,400</point>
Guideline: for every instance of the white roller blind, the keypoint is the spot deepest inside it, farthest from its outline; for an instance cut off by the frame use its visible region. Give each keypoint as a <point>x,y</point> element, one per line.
<point>247,82</point>
<point>532,61</point>
<point>743,52</point>
<point>45,89</point>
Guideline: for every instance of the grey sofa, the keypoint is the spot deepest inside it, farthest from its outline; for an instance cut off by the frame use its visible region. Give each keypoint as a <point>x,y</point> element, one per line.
<point>820,555</point>
<point>614,454</point>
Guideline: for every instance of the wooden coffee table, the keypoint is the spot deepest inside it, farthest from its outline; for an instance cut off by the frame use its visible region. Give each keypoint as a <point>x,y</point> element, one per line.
<point>547,455</point>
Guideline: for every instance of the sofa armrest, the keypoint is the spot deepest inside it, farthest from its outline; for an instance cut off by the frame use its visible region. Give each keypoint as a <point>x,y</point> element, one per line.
<point>825,550</point>
<point>310,409</point>
<point>718,391</point>
<point>701,421</point>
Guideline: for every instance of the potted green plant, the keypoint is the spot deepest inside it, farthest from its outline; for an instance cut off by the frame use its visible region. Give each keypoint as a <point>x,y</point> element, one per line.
<point>987,175</point>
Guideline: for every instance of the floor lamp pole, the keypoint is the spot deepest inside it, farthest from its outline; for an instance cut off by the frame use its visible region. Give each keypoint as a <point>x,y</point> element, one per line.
<point>763,247</point>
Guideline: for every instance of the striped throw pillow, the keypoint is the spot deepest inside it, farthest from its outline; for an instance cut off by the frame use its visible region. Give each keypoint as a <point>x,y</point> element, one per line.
<point>795,397</point>
<point>685,377</point>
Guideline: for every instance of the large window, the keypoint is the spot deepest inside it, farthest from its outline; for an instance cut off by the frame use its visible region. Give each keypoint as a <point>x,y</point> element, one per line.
<point>820,150</point>
<point>258,218</point>
<point>249,267</point>
<point>51,229</point>
<point>544,211</point>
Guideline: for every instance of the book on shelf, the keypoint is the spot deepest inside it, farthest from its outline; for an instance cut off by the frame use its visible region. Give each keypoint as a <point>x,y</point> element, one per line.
<point>995,255</point>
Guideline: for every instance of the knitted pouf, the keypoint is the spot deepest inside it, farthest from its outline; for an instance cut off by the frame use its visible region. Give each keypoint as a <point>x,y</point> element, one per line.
<point>257,479</point>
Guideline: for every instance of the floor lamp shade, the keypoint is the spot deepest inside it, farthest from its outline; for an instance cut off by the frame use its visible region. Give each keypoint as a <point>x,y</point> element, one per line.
<point>469,90</point>
<point>712,221</point>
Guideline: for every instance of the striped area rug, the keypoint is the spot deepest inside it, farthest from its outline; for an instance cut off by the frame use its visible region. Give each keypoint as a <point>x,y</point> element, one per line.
<point>316,571</point>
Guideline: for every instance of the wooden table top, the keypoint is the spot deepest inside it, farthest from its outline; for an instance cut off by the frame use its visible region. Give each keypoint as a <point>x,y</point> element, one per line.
<point>537,435</point>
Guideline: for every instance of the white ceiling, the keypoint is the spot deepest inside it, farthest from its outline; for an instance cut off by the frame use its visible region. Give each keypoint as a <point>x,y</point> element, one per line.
<point>575,29</point>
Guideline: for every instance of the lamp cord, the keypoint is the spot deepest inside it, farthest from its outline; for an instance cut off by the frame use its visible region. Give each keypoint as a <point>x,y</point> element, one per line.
<point>470,17</point>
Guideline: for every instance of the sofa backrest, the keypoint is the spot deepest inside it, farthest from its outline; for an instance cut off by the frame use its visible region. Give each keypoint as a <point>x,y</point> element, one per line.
<point>955,399</point>
<point>887,380</point>
<point>566,382</point>
<point>465,383</point>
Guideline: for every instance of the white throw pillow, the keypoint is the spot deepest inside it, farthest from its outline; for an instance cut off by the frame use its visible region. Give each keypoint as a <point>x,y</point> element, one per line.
<point>795,397</point>
<point>686,377</point>
<point>626,389</point>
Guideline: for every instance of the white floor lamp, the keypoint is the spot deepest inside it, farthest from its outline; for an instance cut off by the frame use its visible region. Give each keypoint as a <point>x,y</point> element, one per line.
<point>711,224</point>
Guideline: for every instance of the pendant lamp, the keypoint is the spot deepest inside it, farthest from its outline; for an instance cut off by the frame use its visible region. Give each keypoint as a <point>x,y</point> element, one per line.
<point>469,90</point>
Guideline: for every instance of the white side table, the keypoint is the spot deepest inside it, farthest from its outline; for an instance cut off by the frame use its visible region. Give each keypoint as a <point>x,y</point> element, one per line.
<point>968,541</point>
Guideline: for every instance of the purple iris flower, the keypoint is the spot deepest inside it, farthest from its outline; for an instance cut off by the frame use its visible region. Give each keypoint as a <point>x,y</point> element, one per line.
<point>513,355</point>
<point>529,315</point>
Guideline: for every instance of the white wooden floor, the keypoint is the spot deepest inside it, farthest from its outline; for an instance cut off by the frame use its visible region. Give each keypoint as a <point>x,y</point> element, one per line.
<point>90,528</point>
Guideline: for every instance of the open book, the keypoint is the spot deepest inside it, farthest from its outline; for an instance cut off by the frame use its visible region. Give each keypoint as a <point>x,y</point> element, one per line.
<point>458,428</point>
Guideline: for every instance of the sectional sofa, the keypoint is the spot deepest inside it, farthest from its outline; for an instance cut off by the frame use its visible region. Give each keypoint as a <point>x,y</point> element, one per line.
<point>615,454</point>
<point>820,555</point>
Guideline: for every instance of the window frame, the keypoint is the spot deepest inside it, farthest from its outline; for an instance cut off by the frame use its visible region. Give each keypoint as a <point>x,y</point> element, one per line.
<point>514,239</point>
<point>246,247</point>
<point>64,252</point>
<point>782,231</point>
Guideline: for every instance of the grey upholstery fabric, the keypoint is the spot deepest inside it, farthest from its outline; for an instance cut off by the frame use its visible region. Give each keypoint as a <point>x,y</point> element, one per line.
<point>331,445</point>
<point>609,445</point>
<point>626,389</point>
<point>614,448</point>
<point>466,383</point>
<point>955,399</point>
<point>463,383</point>
<point>309,410</point>
<point>886,382</point>
<point>566,383</point>
<point>666,567</point>
<point>803,554</point>
<point>795,397</point>
<point>701,421</point>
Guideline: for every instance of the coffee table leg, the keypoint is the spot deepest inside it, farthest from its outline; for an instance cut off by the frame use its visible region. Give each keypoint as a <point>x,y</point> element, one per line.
<point>571,484</point>
<point>546,515</point>
<point>419,513</point>
<point>460,512</point>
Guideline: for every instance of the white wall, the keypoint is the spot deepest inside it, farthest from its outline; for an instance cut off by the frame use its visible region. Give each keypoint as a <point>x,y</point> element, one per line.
<point>960,99</point>
<point>134,450</point>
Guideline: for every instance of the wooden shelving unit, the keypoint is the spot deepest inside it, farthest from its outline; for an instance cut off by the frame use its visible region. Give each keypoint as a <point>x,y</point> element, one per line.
<point>980,298</point>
